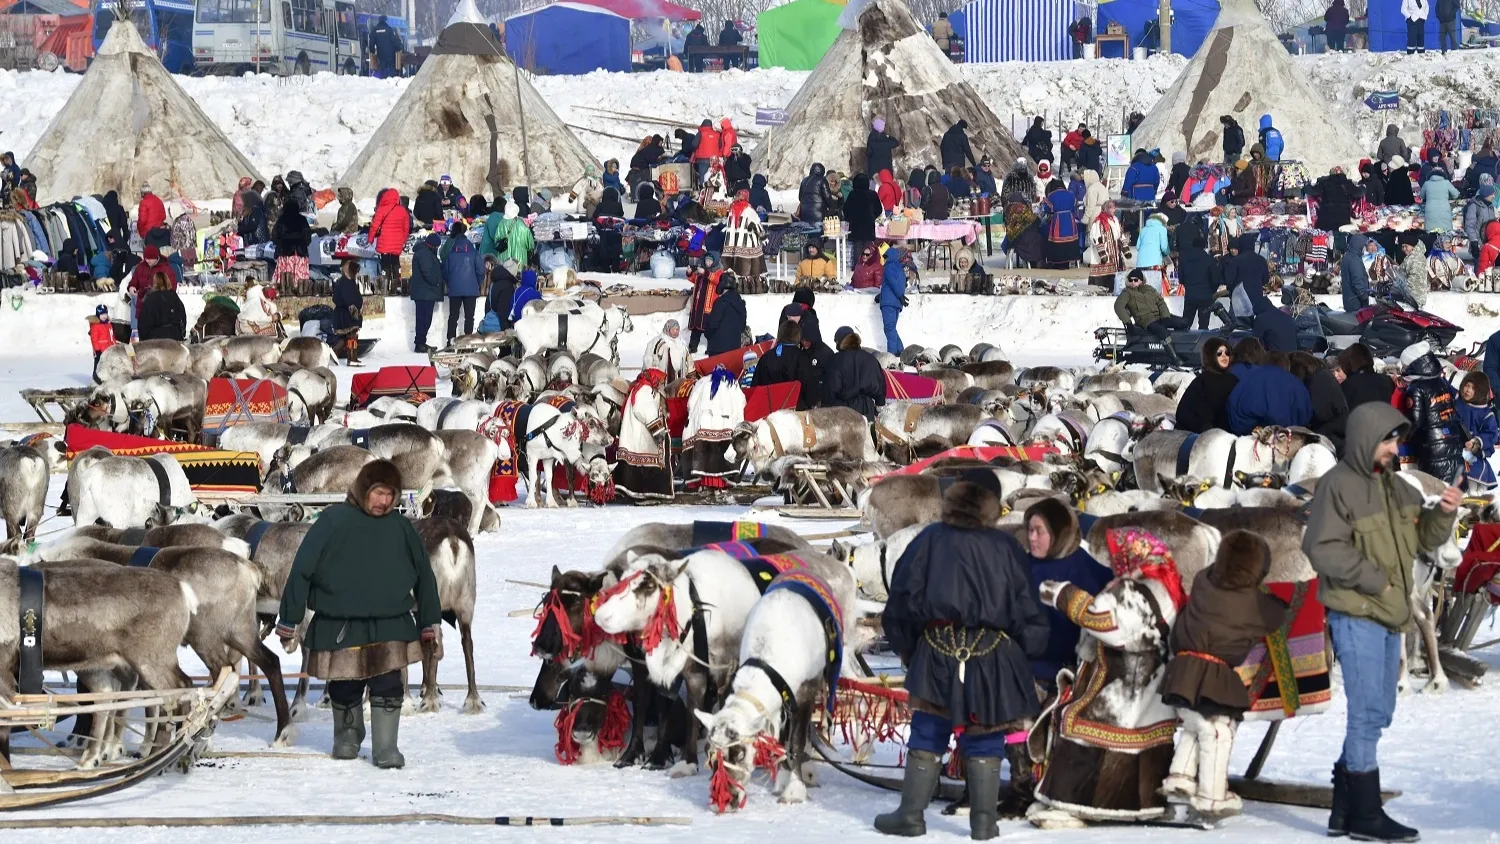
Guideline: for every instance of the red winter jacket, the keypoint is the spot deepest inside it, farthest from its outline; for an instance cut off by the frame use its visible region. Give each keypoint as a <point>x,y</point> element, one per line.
<point>391,225</point>
<point>1489,254</point>
<point>708,144</point>
<point>152,214</point>
<point>728,137</point>
<point>889,192</point>
<point>140,278</point>
<point>1073,140</point>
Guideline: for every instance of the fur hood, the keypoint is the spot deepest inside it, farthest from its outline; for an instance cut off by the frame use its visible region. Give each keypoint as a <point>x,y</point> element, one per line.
<point>1242,562</point>
<point>376,473</point>
<point>1062,523</point>
<point>970,506</point>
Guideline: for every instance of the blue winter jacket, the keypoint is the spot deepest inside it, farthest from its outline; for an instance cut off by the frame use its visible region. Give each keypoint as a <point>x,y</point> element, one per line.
<point>1479,421</point>
<point>1267,395</point>
<point>1437,202</point>
<point>1354,279</point>
<point>1491,367</point>
<point>525,292</point>
<point>1151,247</point>
<point>1270,136</point>
<point>1141,179</point>
<point>463,268</point>
<point>893,280</point>
<point>1081,570</point>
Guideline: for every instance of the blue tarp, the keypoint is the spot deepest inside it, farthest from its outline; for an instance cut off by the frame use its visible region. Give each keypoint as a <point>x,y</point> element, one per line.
<point>1016,30</point>
<point>568,38</point>
<point>1191,22</point>
<point>1388,27</point>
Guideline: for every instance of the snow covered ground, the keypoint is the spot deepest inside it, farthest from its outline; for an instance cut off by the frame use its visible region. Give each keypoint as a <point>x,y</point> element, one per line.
<point>318,124</point>
<point>1438,751</point>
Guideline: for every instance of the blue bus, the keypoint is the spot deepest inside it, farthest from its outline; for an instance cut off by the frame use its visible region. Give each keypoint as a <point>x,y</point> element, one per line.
<point>165,25</point>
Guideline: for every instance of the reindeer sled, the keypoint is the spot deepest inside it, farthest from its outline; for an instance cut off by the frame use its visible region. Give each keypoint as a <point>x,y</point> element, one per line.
<point>172,725</point>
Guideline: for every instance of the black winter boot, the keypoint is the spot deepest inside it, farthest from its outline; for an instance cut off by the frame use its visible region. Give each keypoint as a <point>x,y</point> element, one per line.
<point>348,730</point>
<point>385,726</point>
<point>1367,818</point>
<point>1338,816</point>
<point>983,775</point>
<point>922,770</point>
<point>1022,785</point>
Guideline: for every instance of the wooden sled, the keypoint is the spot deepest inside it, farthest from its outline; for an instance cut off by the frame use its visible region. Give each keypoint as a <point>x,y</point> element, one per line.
<point>813,496</point>
<point>305,506</point>
<point>63,399</point>
<point>32,788</point>
<point>1252,787</point>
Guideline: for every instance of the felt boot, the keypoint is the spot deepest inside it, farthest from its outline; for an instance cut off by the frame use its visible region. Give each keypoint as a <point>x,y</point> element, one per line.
<point>1338,815</point>
<point>385,726</point>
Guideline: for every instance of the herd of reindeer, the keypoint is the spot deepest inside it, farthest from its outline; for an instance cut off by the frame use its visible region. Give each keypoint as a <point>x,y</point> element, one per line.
<point>1104,440</point>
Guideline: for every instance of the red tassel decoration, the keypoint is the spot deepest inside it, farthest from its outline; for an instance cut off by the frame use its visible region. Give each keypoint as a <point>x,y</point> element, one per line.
<point>768,755</point>
<point>553,606</point>
<point>616,723</point>
<point>663,622</point>
<point>720,786</point>
<point>567,749</point>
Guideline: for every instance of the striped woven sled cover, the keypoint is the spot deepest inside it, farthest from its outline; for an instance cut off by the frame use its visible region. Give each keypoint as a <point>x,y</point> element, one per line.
<point>1293,657</point>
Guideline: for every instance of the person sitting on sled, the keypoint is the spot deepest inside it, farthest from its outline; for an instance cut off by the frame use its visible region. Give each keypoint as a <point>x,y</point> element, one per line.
<point>1226,617</point>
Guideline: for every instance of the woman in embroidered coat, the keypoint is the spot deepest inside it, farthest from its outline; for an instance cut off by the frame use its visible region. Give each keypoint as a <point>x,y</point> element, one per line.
<point>1106,255</point>
<point>744,242</point>
<point>961,587</point>
<point>644,468</point>
<point>715,407</point>
<point>1112,738</point>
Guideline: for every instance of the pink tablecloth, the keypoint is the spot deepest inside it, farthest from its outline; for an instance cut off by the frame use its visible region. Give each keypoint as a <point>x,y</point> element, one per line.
<point>940,230</point>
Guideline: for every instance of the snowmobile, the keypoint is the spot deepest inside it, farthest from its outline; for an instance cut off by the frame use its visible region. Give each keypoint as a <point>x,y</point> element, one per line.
<point>1385,327</point>
<point>1119,346</point>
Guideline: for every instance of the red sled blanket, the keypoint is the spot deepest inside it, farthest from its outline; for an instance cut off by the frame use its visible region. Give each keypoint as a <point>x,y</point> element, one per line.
<point>734,361</point>
<point>760,402</point>
<point>237,401</point>
<point>415,384</point>
<point>906,386</point>
<point>1480,570</point>
<point>210,471</point>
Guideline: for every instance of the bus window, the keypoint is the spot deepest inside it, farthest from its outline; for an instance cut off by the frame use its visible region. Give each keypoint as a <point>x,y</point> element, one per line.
<point>347,29</point>
<point>286,16</point>
<point>307,16</point>
<point>232,11</point>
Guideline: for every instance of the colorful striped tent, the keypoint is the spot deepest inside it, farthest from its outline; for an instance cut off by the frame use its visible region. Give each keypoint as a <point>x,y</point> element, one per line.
<point>1018,30</point>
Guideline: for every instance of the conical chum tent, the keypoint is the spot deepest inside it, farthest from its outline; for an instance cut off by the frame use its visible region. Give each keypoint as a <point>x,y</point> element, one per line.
<point>882,65</point>
<point>129,123</point>
<point>1243,71</point>
<point>468,113</point>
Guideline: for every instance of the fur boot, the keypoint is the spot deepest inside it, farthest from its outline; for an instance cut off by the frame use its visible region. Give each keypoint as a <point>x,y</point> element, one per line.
<point>1182,782</point>
<point>1215,742</point>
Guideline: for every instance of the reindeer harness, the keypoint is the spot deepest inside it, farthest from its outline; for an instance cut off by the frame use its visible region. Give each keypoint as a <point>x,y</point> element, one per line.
<point>809,435</point>
<point>32,615</point>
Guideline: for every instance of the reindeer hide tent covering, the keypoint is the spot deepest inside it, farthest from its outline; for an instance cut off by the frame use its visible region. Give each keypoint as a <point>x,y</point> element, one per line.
<point>211,472</point>
<point>1242,70</point>
<point>442,123</point>
<point>884,64</point>
<point>156,135</point>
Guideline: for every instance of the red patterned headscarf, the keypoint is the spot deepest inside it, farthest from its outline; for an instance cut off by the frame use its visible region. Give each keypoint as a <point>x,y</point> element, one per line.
<point>1133,551</point>
<point>653,378</point>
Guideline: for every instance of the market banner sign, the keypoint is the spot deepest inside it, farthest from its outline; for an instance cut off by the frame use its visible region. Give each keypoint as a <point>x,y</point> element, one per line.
<point>1383,100</point>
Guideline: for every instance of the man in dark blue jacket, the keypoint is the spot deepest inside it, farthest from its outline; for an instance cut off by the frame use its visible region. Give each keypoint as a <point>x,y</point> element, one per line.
<point>385,43</point>
<point>426,286</point>
<point>463,270</point>
<point>1266,395</point>
<point>725,325</point>
<point>1247,270</point>
<point>1275,328</point>
<point>1200,276</point>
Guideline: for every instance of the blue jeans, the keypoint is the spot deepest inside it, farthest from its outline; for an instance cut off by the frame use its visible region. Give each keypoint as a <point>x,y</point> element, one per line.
<point>888,317</point>
<point>1370,656</point>
<point>701,167</point>
<point>931,733</point>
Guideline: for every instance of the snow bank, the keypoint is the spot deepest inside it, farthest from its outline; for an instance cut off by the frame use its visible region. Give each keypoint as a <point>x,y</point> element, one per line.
<point>1033,329</point>
<point>318,124</point>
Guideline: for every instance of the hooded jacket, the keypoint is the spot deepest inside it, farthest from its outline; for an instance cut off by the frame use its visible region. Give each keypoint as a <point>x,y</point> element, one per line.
<point>954,147</point>
<point>1398,189</point>
<point>787,363</point>
<point>1091,155</point>
<point>889,192</point>
<point>426,273</point>
<point>1038,142</point>
<point>1140,306</point>
<point>1065,562</point>
<point>1275,328</point>
<point>150,215</point>
<point>347,221</point>
<point>814,199</point>
<point>1234,139</point>
<point>1479,212</point>
<point>1095,194</point>
<point>1270,137</point>
<point>1226,616</point>
<point>1266,395</point>
<point>292,234</point>
<point>1354,279</point>
<point>707,147</point>
<point>1489,253</point>
<point>1141,179</point>
<point>965,573</point>
<point>647,207</point>
<point>1366,527</point>
<point>1392,145</point>
<point>725,324</point>
<point>1197,269</point>
<point>162,316</point>
<point>728,137</point>
<point>501,293</point>
<point>1336,206</point>
<point>867,269</point>
<point>1414,275</point>
<point>880,150</point>
<point>938,201</point>
<point>854,380</point>
<point>463,268</point>
<point>1248,271</point>
<point>861,209</point>
<point>1151,245</point>
<point>737,168</point>
<point>892,296</point>
<point>760,198</point>
<point>391,225</point>
<point>1437,435</point>
<point>428,205</point>
<point>368,578</point>
<point>1437,202</point>
<point>526,292</point>
<point>807,318</point>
